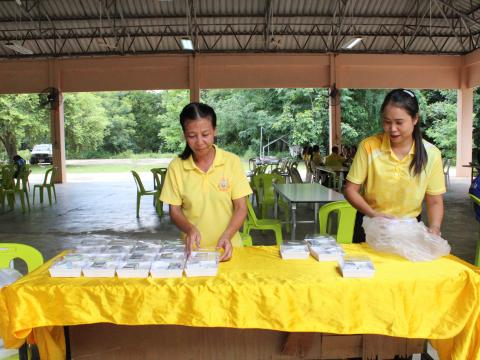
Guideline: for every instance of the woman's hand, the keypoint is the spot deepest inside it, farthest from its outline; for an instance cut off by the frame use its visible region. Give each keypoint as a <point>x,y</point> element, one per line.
<point>435,229</point>
<point>227,247</point>
<point>192,238</point>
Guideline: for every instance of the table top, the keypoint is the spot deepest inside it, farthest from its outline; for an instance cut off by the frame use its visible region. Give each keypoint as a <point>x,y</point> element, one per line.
<point>472,165</point>
<point>333,168</point>
<point>308,193</point>
<point>257,289</point>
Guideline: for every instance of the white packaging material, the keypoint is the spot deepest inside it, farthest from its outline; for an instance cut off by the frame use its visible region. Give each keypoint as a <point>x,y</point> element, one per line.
<point>202,263</point>
<point>167,269</point>
<point>67,268</point>
<point>319,238</point>
<point>294,251</point>
<point>100,268</point>
<point>90,250</point>
<point>171,256</point>
<point>173,247</point>
<point>332,252</point>
<point>118,249</point>
<point>141,256</point>
<point>127,243</point>
<point>146,247</point>
<point>133,269</point>
<point>405,237</point>
<point>8,276</point>
<point>93,242</point>
<point>356,267</point>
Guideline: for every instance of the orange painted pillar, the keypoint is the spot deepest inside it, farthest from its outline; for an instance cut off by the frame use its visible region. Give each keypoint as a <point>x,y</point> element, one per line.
<point>334,111</point>
<point>193,79</point>
<point>464,130</point>
<point>57,127</point>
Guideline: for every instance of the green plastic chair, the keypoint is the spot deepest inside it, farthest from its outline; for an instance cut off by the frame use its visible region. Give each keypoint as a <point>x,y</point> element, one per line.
<point>476,200</point>
<point>141,191</point>
<point>10,251</point>
<point>346,220</point>
<point>48,184</point>
<point>159,175</point>
<point>246,239</point>
<point>7,184</point>
<point>20,188</point>
<point>253,222</point>
<point>268,196</point>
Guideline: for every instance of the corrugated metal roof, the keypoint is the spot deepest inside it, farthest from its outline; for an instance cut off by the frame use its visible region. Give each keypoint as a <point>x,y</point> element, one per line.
<point>63,28</point>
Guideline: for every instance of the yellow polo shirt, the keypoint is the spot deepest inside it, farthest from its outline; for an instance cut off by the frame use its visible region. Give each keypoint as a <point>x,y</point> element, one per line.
<point>206,198</point>
<point>389,186</point>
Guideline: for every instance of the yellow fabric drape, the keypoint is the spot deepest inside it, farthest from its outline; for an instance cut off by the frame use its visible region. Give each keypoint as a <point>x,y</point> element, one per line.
<point>256,289</point>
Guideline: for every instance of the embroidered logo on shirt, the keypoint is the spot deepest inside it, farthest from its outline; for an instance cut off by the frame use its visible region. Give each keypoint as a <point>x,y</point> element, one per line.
<point>223,185</point>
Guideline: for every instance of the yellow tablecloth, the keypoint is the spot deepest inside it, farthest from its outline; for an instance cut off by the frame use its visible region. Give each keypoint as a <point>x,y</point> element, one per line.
<point>256,289</point>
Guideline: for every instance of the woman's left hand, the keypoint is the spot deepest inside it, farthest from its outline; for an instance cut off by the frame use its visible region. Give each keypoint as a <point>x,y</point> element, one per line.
<point>227,247</point>
<point>435,230</point>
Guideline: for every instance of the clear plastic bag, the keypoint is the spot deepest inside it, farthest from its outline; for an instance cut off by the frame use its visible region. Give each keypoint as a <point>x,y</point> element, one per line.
<point>8,276</point>
<point>405,237</point>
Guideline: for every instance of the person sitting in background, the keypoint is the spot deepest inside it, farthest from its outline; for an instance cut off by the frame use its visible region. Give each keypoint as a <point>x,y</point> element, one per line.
<point>19,163</point>
<point>316,156</point>
<point>334,159</point>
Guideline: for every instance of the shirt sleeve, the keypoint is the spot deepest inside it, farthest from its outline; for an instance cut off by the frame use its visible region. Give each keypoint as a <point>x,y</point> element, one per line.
<point>240,186</point>
<point>358,170</point>
<point>171,188</point>
<point>436,178</point>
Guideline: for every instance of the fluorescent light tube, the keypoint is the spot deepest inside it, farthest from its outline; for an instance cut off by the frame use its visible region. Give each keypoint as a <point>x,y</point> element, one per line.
<point>18,48</point>
<point>186,43</point>
<point>350,44</point>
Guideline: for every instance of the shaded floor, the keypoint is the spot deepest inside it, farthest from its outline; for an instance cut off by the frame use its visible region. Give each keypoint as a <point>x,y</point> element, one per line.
<point>103,206</point>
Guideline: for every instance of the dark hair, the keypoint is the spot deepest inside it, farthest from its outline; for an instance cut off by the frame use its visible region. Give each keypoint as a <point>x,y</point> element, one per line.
<point>335,149</point>
<point>16,157</point>
<point>195,111</point>
<point>316,148</point>
<point>407,100</point>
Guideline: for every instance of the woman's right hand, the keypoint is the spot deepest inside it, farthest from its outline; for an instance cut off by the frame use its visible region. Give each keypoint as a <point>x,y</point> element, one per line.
<point>192,238</point>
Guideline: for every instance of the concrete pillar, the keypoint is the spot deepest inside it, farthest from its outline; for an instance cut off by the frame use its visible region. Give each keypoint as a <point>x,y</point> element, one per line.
<point>464,130</point>
<point>193,79</point>
<point>57,127</point>
<point>334,111</point>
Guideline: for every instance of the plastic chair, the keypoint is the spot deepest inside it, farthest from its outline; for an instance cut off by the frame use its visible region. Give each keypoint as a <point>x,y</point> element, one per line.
<point>159,175</point>
<point>346,220</point>
<point>295,176</point>
<point>476,201</point>
<point>20,188</point>
<point>10,251</point>
<point>141,191</point>
<point>446,171</point>
<point>33,258</point>
<point>253,222</point>
<point>246,239</point>
<point>48,184</point>
<point>7,183</point>
<point>268,196</point>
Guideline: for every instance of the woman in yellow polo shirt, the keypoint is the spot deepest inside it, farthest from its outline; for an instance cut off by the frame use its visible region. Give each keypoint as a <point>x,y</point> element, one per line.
<point>206,186</point>
<point>397,169</point>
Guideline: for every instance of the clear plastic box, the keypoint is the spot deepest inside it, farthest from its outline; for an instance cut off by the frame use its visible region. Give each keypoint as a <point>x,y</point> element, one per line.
<point>357,266</point>
<point>331,252</point>
<point>202,263</point>
<point>100,268</point>
<point>167,269</point>
<point>67,268</point>
<point>133,269</point>
<point>294,251</point>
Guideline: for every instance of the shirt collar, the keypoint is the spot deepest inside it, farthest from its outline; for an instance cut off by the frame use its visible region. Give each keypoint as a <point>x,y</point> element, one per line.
<point>219,160</point>
<point>386,147</point>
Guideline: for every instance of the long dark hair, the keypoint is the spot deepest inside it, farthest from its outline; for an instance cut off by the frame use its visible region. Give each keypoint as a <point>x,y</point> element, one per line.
<point>407,100</point>
<point>195,111</point>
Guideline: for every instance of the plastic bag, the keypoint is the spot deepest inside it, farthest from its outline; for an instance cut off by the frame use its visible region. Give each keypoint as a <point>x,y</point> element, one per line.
<point>8,276</point>
<point>405,237</point>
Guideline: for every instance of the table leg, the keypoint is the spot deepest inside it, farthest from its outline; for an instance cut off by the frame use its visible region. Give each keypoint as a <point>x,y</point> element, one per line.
<point>315,220</point>
<point>294,221</point>
<point>340,182</point>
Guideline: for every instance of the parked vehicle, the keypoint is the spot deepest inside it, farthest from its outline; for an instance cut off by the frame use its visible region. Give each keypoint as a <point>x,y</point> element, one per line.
<point>41,153</point>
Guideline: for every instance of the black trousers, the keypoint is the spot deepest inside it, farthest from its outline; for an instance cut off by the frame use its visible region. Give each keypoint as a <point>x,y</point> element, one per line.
<point>359,232</point>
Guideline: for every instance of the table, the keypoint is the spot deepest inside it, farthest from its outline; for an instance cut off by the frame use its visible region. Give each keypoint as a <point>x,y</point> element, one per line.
<point>257,290</point>
<point>304,193</point>
<point>335,171</point>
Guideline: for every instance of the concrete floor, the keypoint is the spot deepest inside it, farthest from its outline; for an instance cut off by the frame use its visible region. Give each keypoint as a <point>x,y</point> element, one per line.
<point>102,206</point>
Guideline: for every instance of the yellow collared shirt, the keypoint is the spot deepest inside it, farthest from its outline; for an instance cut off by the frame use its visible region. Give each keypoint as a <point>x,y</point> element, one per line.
<point>206,197</point>
<point>389,185</point>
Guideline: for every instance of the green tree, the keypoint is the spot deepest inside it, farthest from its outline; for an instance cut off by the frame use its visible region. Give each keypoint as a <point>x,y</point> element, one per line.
<point>85,123</point>
<point>22,121</point>
<point>170,134</point>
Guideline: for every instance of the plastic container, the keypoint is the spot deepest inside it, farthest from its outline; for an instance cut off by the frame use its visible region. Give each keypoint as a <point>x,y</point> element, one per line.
<point>167,269</point>
<point>294,251</point>
<point>133,269</point>
<point>100,268</point>
<point>202,263</point>
<point>356,267</point>
<point>67,268</point>
<point>331,252</point>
